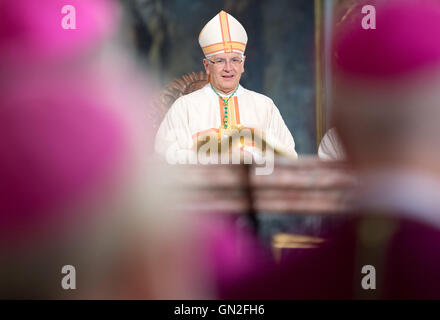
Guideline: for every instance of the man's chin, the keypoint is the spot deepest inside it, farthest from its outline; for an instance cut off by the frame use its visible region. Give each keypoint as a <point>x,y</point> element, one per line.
<point>228,86</point>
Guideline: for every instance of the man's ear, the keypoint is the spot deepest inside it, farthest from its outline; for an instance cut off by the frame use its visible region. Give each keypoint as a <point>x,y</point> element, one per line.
<point>205,64</point>
<point>242,64</point>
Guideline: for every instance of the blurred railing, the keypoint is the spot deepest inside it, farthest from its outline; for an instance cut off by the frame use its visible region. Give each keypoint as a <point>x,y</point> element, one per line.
<point>307,185</point>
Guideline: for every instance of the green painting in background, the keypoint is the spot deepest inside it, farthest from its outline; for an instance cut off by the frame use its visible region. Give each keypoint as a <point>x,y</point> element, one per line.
<point>279,54</point>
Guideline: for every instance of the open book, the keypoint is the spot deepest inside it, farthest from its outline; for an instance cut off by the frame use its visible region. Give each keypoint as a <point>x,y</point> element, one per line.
<point>240,143</point>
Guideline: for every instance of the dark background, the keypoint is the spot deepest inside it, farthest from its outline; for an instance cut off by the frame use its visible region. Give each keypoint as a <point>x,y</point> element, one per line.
<point>279,55</point>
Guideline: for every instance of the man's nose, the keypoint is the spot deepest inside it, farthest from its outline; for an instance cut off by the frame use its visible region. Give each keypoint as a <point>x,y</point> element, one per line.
<point>228,66</point>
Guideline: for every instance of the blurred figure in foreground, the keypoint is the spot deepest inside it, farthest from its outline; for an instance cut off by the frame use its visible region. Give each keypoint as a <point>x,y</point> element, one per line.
<point>76,184</point>
<point>387,112</point>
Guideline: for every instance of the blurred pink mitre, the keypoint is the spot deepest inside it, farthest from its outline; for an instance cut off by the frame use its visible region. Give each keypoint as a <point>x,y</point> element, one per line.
<point>62,145</point>
<point>406,40</point>
<point>386,80</point>
<point>32,29</point>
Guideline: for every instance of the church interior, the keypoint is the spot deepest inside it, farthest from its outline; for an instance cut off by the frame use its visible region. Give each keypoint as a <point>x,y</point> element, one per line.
<point>236,149</point>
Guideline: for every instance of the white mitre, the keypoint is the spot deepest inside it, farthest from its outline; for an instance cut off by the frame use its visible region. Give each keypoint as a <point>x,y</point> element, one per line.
<point>223,33</point>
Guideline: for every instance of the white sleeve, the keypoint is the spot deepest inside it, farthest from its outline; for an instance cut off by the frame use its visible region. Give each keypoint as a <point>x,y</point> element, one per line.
<point>173,139</point>
<point>278,134</point>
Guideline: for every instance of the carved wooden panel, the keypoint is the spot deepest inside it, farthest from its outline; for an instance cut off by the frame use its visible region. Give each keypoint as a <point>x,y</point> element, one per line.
<point>178,87</point>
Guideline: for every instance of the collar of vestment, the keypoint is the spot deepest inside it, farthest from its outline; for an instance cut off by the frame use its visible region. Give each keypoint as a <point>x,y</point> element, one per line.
<point>209,91</point>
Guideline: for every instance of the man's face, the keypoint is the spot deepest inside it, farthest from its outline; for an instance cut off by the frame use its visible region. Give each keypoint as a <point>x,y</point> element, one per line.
<point>226,70</point>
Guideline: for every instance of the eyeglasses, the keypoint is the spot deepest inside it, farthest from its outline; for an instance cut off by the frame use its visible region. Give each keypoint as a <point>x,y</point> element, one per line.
<point>222,62</point>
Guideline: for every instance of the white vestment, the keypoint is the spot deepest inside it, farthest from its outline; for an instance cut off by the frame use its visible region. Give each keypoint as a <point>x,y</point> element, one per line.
<point>202,112</point>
